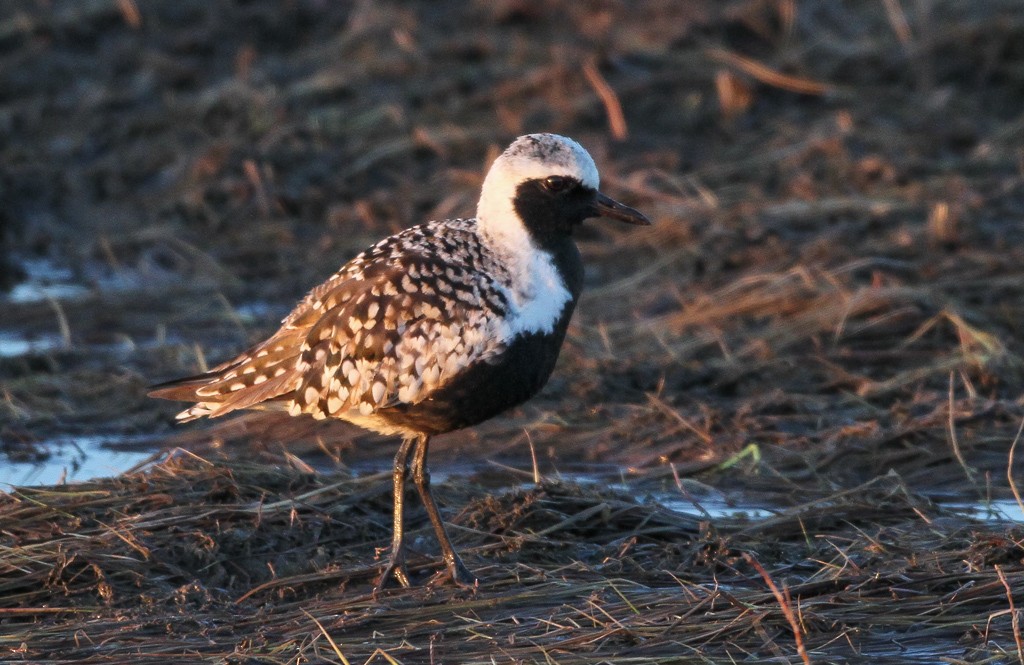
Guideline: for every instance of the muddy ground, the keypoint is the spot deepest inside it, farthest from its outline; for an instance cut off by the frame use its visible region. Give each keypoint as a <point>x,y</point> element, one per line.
<point>806,376</point>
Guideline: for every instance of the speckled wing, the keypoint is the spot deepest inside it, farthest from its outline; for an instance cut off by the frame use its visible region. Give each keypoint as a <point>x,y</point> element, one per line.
<point>391,326</point>
<point>250,380</point>
<point>266,375</point>
<point>395,335</point>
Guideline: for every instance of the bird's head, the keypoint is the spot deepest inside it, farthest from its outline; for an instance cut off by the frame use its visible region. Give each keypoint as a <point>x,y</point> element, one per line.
<point>544,185</point>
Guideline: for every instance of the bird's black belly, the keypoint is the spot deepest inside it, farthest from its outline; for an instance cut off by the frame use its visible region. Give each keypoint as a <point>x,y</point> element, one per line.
<point>485,389</point>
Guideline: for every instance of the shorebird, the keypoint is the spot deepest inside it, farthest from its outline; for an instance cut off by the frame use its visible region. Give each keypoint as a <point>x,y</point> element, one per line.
<point>433,329</point>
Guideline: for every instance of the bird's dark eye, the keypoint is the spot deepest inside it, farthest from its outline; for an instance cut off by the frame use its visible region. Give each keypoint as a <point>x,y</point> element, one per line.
<point>556,183</point>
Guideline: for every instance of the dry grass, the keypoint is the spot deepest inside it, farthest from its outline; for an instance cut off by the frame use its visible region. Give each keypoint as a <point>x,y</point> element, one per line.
<point>824,319</point>
<point>247,564</point>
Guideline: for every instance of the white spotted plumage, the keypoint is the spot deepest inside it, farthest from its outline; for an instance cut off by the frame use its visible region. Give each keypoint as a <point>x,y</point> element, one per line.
<point>410,313</point>
<point>436,328</point>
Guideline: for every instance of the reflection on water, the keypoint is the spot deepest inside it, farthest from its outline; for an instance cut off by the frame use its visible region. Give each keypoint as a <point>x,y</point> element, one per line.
<point>13,345</point>
<point>72,459</point>
<point>80,458</point>
<point>44,281</point>
<point>716,509</point>
<point>996,510</point>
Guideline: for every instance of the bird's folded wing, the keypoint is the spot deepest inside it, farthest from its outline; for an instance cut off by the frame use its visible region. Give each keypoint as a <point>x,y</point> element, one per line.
<point>356,344</point>
<point>395,342</point>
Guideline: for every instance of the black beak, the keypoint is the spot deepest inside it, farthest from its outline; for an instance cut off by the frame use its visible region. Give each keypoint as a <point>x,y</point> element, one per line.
<point>609,207</point>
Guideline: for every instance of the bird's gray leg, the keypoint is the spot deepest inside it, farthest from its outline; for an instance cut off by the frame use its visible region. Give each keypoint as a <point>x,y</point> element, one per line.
<point>396,563</point>
<point>421,477</point>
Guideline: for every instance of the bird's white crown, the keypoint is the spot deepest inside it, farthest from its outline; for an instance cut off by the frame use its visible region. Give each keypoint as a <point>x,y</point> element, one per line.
<point>533,156</point>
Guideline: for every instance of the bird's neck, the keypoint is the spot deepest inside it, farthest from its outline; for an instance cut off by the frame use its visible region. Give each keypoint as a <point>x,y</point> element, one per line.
<point>543,283</point>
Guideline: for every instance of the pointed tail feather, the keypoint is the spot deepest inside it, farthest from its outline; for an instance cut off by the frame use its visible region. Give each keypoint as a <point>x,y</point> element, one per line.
<point>184,389</point>
<point>264,395</point>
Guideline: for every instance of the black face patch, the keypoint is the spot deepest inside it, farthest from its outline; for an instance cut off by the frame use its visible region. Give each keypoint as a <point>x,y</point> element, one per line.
<point>550,213</point>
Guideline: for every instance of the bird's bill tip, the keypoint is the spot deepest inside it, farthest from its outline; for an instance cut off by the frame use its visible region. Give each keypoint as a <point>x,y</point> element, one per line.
<point>609,207</point>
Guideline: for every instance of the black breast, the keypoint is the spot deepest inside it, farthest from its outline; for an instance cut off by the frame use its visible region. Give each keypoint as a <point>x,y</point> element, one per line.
<point>487,388</point>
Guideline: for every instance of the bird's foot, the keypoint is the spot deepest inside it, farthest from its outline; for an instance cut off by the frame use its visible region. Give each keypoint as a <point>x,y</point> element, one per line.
<point>459,574</point>
<point>396,570</point>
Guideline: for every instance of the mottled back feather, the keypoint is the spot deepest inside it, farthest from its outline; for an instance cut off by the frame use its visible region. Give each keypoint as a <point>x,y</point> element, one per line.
<point>395,323</point>
<point>437,302</point>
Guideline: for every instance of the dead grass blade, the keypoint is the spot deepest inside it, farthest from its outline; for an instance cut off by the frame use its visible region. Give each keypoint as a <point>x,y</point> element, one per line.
<point>768,75</point>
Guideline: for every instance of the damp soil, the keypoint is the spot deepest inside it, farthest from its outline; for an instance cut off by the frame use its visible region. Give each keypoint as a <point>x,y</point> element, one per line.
<point>791,401</point>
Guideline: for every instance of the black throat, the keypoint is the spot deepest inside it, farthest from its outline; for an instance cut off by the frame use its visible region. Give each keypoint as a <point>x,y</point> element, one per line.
<point>550,218</point>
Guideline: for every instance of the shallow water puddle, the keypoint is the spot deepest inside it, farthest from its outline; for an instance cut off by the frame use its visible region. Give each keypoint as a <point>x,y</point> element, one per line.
<point>995,510</point>
<point>82,458</point>
<point>72,459</point>
<point>716,509</point>
<point>13,345</point>
<point>45,280</point>
<point>48,280</point>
